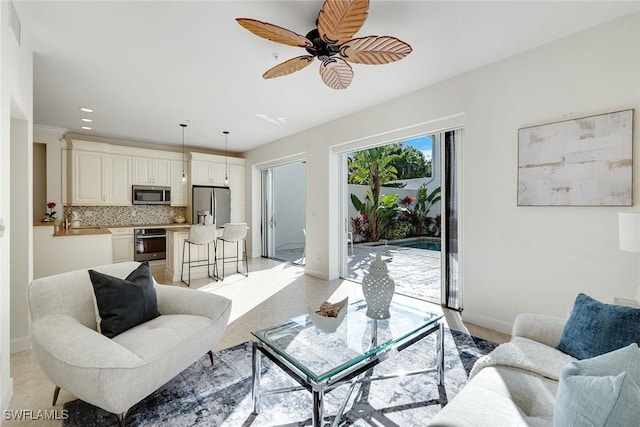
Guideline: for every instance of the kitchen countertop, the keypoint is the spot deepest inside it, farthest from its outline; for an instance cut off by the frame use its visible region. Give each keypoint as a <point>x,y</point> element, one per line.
<point>80,231</point>
<point>168,225</point>
<point>183,229</point>
<point>89,230</point>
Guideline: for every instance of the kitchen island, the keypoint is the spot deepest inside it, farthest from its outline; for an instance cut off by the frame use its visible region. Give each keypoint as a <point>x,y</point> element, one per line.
<point>175,241</point>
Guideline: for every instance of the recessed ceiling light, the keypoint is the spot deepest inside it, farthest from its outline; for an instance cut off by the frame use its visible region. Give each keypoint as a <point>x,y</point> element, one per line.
<point>87,120</point>
<point>87,127</point>
<point>86,110</point>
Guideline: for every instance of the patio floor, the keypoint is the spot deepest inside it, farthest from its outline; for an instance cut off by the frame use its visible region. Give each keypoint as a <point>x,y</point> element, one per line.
<point>416,272</point>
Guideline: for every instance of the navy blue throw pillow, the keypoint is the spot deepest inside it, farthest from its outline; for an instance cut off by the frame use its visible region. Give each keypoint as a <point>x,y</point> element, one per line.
<point>596,328</point>
<point>124,303</point>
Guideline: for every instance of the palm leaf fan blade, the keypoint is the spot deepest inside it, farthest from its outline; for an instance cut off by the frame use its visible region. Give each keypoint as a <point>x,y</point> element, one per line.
<point>336,73</point>
<point>287,67</point>
<point>274,33</point>
<point>374,50</point>
<point>339,20</point>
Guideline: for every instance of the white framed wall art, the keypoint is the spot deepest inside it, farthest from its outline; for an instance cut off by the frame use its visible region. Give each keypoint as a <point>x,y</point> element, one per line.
<point>579,162</point>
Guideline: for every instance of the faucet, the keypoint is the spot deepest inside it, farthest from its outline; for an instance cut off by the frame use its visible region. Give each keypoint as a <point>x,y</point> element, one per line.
<point>74,223</point>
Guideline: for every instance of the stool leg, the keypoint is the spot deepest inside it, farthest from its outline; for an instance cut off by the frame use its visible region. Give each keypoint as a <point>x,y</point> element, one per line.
<point>223,259</point>
<point>246,259</point>
<point>237,257</point>
<point>189,284</point>
<point>184,242</point>
<point>216,272</point>
<point>208,261</point>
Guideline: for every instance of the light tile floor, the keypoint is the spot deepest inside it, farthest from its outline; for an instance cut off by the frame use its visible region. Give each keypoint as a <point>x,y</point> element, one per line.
<point>274,291</point>
<point>416,272</point>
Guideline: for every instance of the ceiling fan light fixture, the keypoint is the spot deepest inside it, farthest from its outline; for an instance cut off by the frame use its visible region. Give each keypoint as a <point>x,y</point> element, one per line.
<point>332,43</point>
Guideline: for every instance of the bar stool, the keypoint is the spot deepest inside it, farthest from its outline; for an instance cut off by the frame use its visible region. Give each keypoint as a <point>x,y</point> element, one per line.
<point>234,233</point>
<point>199,235</point>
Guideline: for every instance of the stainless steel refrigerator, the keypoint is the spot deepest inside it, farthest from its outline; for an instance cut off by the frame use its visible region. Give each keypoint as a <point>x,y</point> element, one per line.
<point>215,200</point>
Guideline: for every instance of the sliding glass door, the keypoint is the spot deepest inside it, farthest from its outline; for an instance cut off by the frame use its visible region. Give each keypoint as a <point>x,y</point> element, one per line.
<point>283,212</point>
<point>401,200</point>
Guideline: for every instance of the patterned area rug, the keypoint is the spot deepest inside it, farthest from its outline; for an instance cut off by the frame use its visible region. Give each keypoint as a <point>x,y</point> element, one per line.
<point>220,395</point>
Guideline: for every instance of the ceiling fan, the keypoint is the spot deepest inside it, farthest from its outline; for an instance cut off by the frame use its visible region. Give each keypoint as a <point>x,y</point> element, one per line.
<point>332,43</point>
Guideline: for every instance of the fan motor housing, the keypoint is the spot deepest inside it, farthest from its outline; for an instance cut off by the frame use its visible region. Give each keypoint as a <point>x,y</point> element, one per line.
<point>320,48</point>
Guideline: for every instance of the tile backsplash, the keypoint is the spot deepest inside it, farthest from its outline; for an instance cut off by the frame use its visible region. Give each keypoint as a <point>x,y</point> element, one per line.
<point>125,215</point>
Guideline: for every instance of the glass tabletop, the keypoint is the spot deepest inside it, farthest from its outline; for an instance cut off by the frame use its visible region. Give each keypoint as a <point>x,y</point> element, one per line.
<point>321,355</point>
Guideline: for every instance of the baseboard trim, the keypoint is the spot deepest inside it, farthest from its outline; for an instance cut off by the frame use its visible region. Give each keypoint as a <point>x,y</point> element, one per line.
<point>7,393</point>
<point>487,322</point>
<point>316,274</point>
<point>20,344</point>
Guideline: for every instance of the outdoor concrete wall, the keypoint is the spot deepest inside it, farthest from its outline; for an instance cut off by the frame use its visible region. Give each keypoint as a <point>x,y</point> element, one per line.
<point>514,259</point>
<point>360,191</point>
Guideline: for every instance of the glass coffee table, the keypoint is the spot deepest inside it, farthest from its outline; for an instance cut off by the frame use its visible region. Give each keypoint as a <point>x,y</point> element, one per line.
<point>321,361</point>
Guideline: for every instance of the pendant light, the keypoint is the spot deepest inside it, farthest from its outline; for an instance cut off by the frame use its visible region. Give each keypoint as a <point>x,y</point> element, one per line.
<point>184,175</point>
<point>226,166</point>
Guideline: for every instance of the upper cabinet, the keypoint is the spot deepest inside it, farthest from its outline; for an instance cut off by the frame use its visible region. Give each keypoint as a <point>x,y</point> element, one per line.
<point>100,179</point>
<point>100,174</point>
<point>150,171</point>
<point>207,169</point>
<point>179,188</point>
<point>207,173</point>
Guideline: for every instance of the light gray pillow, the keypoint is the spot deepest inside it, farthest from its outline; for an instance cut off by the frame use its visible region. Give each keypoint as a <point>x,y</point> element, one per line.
<point>601,391</point>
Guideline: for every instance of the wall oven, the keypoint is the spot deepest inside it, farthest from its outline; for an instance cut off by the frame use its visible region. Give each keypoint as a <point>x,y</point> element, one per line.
<point>151,243</point>
<point>151,195</point>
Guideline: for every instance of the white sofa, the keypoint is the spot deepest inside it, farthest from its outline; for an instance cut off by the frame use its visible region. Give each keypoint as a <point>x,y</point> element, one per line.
<point>114,374</point>
<point>514,385</point>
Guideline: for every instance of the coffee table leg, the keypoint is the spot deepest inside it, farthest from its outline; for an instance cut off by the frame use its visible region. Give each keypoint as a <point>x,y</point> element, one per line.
<point>440,356</point>
<point>256,359</point>
<point>317,416</point>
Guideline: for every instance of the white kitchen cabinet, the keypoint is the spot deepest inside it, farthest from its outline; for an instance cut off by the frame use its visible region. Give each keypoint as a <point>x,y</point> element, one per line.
<point>100,179</point>
<point>238,213</point>
<point>179,188</point>
<point>237,184</point>
<point>118,180</point>
<point>121,244</point>
<point>207,173</point>
<point>150,171</point>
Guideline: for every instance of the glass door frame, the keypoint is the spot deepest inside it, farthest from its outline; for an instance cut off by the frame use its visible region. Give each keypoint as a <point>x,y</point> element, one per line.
<point>267,206</point>
<point>451,123</point>
<point>267,213</point>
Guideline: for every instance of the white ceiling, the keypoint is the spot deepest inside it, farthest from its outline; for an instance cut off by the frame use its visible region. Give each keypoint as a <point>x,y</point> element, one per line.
<point>147,66</point>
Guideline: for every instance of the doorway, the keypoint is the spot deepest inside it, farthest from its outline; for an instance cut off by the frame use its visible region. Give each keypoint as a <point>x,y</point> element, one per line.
<point>283,212</point>
<point>401,201</point>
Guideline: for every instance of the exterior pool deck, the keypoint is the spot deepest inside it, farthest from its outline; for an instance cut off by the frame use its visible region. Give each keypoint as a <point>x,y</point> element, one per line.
<point>416,272</point>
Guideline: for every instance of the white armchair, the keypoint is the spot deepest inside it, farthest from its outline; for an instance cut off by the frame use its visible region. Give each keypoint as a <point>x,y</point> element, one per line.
<point>114,374</point>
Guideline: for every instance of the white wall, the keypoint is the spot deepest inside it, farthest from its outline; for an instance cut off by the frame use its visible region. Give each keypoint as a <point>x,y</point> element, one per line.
<point>52,138</point>
<point>514,259</point>
<point>16,95</point>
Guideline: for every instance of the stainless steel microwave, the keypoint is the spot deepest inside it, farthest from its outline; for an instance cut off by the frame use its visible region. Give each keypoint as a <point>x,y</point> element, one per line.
<point>151,195</point>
